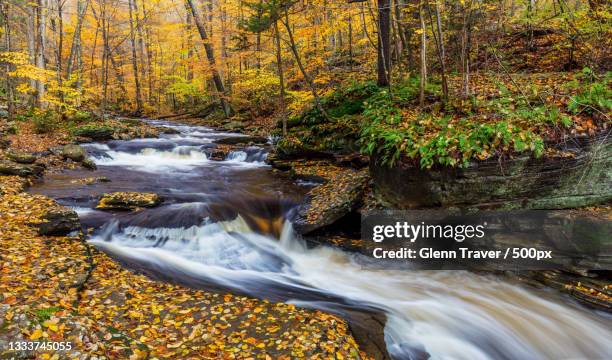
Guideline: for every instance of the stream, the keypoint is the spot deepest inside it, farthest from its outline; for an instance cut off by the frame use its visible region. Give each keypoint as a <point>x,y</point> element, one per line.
<point>221,227</point>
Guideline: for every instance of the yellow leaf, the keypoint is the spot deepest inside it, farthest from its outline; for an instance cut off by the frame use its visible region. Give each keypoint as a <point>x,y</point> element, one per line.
<point>37,334</point>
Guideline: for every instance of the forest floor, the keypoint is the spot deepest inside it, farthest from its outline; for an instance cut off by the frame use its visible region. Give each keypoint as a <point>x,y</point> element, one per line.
<point>59,288</point>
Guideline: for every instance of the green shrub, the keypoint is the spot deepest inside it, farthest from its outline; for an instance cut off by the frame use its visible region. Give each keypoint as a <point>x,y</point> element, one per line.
<point>80,117</point>
<point>45,122</point>
<point>437,141</point>
<point>594,95</point>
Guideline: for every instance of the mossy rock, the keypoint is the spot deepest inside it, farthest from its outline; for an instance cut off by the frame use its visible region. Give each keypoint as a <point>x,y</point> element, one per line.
<point>74,152</point>
<point>234,140</point>
<point>59,221</point>
<point>94,132</point>
<point>234,125</point>
<point>90,180</point>
<point>88,163</point>
<point>13,168</point>
<point>293,148</point>
<point>21,158</point>
<point>128,201</point>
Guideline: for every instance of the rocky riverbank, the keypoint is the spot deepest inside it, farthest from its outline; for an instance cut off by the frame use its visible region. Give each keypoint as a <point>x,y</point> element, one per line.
<point>59,288</point>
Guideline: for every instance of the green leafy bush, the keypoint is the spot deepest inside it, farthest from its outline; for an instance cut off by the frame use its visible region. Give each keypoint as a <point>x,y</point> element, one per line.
<point>594,95</point>
<point>45,122</point>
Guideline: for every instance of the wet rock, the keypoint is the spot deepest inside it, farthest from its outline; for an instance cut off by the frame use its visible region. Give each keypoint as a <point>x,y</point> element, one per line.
<point>128,201</point>
<point>217,154</point>
<point>330,202</point>
<point>21,158</point>
<point>89,164</point>
<point>234,140</point>
<point>591,289</point>
<point>356,160</point>
<point>94,132</point>
<point>169,130</point>
<point>368,328</point>
<point>74,152</point>
<point>90,180</point>
<point>13,168</point>
<point>59,221</point>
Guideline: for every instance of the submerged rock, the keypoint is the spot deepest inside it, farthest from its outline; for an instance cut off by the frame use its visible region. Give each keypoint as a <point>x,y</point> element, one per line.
<point>59,221</point>
<point>90,180</point>
<point>128,201</point>
<point>89,164</point>
<point>13,168</point>
<point>74,152</point>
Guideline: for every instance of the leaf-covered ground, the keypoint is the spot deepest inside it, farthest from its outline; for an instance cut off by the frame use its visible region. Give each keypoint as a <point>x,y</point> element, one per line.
<point>61,289</point>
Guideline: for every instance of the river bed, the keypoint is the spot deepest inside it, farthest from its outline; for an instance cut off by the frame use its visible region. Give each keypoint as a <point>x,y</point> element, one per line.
<point>204,236</point>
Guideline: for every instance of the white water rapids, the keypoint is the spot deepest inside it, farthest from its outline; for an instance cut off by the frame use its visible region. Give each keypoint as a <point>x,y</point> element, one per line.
<point>451,314</point>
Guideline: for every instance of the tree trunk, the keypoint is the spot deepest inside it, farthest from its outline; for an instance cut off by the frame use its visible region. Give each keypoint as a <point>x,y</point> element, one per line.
<point>41,44</point>
<point>210,55</point>
<point>384,46</point>
<point>440,49</point>
<point>465,50</point>
<point>135,59</point>
<point>10,91</point>
<point>350,40</point>
<point>281,78</point>
<point>298,60</point>
<point>76,38</point>
<point>147,39</point>
<point>423,56</point>
<point>31,34</point>
<point>140,42</point>
<point>60,48</point>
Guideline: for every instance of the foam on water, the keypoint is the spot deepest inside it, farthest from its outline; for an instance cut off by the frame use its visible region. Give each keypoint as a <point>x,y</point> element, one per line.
<point>449,314</point>
<point>152,160</point>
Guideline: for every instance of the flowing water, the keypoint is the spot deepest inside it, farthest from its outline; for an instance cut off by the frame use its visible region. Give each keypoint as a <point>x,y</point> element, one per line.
<point>221,227</point>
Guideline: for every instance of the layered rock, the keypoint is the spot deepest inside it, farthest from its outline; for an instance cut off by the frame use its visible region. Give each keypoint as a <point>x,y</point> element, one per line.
<point>13,168</point>
<point>581,175</point>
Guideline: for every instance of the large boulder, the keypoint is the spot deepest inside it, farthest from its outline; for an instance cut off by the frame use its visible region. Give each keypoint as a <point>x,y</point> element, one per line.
<point>328,203</point>
<point>13,168</point>
<point>74,152</point>
<point>94,132</point>
<point>59,221</point>
<point>128,201</point>
<point>581,177</point>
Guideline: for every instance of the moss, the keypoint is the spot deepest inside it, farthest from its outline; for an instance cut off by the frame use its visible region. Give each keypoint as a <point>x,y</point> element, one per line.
<point>94,131</point>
